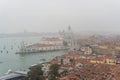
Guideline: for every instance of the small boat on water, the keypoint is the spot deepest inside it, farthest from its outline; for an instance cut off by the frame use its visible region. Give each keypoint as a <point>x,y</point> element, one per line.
<point>33,65</point>
<point>9,71</point>
<point>1,51</point>
<point>7,51</point>
<point>43,59</point>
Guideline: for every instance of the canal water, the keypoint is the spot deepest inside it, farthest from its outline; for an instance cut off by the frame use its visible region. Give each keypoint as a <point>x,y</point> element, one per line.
<point>10,60</point>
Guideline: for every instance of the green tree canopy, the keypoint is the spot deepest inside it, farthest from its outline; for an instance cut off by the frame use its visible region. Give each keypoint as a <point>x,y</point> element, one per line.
<point>36,73</point>
<point>53,72</point>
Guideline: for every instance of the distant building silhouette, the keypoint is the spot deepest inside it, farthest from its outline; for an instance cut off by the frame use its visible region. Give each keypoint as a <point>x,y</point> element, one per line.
<point>69,37</point>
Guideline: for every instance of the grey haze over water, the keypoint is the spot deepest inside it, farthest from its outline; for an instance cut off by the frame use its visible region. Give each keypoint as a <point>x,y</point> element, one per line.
<point>52,15</point>
<point>10,60</point>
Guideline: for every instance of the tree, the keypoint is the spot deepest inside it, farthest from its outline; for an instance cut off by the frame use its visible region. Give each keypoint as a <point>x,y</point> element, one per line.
<point>53,72</point>
<point>36,73</point>
<point>24,78</point>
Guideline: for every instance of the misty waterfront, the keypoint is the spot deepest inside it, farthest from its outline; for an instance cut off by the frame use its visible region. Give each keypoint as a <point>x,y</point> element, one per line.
<point>59,40</point>
<point>10,60</point>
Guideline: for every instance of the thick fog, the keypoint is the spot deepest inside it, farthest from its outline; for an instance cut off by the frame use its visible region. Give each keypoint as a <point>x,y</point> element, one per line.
<point>54,15</point>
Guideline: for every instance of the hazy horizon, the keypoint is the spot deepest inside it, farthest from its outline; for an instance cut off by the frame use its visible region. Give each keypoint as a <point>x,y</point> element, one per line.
<point>54,15</point>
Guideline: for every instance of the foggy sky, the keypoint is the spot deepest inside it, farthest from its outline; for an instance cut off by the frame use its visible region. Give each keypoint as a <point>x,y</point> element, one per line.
<point>54,15</point>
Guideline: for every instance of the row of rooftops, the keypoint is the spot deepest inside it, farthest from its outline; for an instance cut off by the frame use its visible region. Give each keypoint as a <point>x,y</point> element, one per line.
<point>40,45</point>
<point>47,42</point>
<point>86,69</point>
<point>81,68</point>
<point>52,39</point>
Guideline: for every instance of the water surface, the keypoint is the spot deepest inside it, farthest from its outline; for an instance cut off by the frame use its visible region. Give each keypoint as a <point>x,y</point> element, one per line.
<point>10,60</point>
